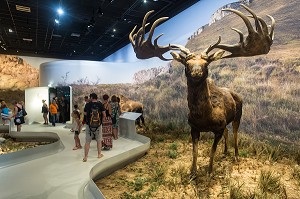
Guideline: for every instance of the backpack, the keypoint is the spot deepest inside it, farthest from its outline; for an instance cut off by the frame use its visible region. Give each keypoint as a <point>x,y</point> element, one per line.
<point>95,119</point>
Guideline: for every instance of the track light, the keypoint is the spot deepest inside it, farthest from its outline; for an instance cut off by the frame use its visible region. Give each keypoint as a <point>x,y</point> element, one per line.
<point>99,11</point>
<point>60,11</point>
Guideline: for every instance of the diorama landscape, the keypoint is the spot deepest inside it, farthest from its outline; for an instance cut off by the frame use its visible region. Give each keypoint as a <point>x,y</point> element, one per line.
<point>269,132</point>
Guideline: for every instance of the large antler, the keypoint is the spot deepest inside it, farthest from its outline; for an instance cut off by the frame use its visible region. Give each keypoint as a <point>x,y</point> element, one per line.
<point>257,42</point>
<point>144,49</point>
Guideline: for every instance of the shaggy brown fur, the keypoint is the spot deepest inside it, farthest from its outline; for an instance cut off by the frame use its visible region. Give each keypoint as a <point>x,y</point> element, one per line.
<point>128,105</point>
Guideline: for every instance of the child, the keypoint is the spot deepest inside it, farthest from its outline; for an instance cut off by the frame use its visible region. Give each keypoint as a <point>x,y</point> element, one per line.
<point>5,113</point>
<point>77,129</point>
<point>73,122</point>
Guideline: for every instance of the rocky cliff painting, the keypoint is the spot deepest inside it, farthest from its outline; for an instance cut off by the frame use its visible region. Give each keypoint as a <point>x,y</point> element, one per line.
<point>15,76</point>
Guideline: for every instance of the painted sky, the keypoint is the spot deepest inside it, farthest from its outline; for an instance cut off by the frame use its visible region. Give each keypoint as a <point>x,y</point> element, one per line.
<point>176,30</point>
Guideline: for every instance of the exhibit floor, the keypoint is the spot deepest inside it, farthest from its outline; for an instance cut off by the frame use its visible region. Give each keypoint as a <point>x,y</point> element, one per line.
<point>61,175</point>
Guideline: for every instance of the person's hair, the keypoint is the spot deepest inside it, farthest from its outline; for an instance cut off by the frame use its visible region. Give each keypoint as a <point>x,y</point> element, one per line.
<point>3,106</point>
<point>53,101</point>
<point>118,99</point>
<point>105,97</point>
<point>15,102</point>
<point>114,98</point>
<point>76,106</point>
<point>93,96</point>
<point>86,97</point>
<point>76,113</point>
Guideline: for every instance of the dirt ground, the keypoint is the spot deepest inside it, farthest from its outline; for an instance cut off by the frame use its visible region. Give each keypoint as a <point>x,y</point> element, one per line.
<point>164,173</point>
<point>9,145</point>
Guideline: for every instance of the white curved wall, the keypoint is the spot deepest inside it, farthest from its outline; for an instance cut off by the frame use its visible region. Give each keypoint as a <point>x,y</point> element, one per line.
<point>52,73</point>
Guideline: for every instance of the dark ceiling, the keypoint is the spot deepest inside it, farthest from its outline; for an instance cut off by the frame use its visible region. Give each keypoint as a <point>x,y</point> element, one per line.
<point>85,30</point>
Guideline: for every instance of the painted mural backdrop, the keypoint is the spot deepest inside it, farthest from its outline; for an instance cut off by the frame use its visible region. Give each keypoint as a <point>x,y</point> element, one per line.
<point>269,84</point>
<point>15,76</point>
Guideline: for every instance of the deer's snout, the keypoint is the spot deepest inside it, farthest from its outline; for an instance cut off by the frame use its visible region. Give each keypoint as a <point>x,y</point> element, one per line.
<point>197,71</point>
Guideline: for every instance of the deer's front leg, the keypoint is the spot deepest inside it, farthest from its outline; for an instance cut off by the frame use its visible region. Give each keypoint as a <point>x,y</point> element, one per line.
<point>195,139</point>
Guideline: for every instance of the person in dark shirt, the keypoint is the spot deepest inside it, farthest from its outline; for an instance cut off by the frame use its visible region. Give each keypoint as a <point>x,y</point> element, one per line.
<point>90,129</point>
<point>64,109</point>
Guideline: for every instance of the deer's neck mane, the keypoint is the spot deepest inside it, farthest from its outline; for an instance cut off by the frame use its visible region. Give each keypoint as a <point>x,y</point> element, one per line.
<point>199,98</point>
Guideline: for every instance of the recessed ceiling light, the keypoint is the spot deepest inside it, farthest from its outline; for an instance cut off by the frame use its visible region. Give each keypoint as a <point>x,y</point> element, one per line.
<point>100,45</point>
<point>10,30</point>
<point>74,51</point>
<point>112,35</point>
<point>17,51</point>
<point>60,11</point>
<point>145,1</point>
<point>114,30</point>
<point>56,21</point>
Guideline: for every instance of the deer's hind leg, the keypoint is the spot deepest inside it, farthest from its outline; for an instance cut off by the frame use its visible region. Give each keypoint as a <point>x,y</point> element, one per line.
<point>235,125</point>
<point>225,141</point>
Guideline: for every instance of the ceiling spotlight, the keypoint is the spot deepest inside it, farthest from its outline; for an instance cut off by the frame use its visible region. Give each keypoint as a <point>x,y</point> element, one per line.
<point>10,30</point>
<point>112,35</point>
<point>56,21</point>
<point>74,51</point>
<point>114,30</point>
<point>17,51</point>
<point>60,11</point>
<point>145,1</point>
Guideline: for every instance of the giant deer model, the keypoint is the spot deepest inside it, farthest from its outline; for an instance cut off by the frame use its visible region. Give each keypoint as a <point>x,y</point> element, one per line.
<point>210,108</point>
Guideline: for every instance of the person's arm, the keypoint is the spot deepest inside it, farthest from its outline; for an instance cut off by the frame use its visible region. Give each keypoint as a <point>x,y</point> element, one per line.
<point>103,110</point>
<point>15,111</point>
<point>109,109</point>
<point>104,114</point>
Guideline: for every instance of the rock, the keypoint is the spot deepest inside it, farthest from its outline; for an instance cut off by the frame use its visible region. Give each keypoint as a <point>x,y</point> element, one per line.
<point>13,69</point>
<point>2,140</point>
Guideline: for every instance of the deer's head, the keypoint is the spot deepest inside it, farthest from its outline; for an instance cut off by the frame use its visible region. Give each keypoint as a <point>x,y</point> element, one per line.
<point>196,65</point>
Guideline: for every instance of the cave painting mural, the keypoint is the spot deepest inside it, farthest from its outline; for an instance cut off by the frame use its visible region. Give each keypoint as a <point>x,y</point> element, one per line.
<point>211,108</point>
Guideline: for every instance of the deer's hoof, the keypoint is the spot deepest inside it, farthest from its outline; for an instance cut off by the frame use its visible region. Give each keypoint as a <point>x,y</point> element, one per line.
<point>236,159</point>
<point>193,176</point>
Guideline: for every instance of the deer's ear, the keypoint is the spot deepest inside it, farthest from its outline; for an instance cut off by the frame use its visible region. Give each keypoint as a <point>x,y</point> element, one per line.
<point>216,56</point>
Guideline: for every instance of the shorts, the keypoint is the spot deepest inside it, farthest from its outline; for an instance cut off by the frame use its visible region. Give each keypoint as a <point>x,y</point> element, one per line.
<point>89,134</point>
